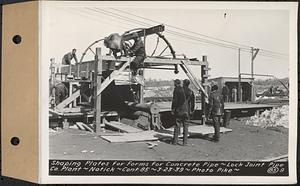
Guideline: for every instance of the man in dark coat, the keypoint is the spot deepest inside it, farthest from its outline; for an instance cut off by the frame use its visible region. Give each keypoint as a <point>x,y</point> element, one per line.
<point>190,97</point>
<point>216,105</point>
<point>66,60</point>
<point>179,109</point>
<point>137,50</point>
<point>225,93</point>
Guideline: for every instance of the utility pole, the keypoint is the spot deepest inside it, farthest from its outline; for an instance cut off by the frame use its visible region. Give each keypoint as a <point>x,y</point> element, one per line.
<point>239,75</point>
<point>254,52</point>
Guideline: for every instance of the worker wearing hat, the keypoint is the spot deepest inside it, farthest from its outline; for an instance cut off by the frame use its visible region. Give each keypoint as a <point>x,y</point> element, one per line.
<point>216,109</point>
<point>137,50</point>
<point>179,109</point>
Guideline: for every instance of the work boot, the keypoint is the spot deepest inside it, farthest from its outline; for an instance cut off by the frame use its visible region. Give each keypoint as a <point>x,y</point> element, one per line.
<point>216,139</point>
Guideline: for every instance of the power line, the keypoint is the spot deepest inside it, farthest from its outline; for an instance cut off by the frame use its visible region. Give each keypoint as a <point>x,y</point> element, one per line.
<point>183,29</point>
<point>196,32</point>
<point>170,31</point>
<point>110,14</point>
<point>268,51</point>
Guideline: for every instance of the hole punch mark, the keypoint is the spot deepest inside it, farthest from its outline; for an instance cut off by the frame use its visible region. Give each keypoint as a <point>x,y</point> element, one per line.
<point>15,141</point>
<point>17,39</point>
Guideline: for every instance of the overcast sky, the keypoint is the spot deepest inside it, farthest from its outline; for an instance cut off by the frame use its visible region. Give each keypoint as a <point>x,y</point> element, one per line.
<point>77,24</point>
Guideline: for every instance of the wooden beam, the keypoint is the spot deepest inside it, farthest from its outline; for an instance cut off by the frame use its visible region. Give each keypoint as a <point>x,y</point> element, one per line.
<point>149,61</point>
<point>69,100</point>
<point>112,77</point>
<point>97,81</point>
<point>79,125</point>
<point>145,32</point>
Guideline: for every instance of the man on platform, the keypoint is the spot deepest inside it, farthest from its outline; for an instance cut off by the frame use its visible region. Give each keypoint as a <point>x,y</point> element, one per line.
<point>66,60</point>
<point>137,50</point>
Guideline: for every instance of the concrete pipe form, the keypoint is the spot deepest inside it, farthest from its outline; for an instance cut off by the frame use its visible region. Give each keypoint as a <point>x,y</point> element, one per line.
<point>150,108</point>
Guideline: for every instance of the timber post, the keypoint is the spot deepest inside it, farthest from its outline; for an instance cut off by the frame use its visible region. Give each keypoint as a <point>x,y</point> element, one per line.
<point>97,86</point>
<point>204,81</point>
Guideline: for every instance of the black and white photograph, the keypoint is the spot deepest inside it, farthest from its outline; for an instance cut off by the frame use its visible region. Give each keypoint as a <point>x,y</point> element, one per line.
<point>160,89</point>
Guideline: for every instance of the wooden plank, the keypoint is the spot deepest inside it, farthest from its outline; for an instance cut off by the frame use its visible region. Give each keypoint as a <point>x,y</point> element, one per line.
<point>79,125</point>
<point>86,127</point>
<point>134,137</point>
<point>203,129</point>
<point>285,156</point>
<point>55,112</point>
<point>69,100</point>
<point>98,86</point>
<point>71,110</point>
<point>149,61</point>
<point>122,127</point>
<point>112,77</point>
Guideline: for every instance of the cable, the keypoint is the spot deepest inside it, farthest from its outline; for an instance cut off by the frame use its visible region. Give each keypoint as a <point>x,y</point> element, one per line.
<point>170,31</point>
<point>182,29</point>
<point>174,32</point>
<point>195,32</point>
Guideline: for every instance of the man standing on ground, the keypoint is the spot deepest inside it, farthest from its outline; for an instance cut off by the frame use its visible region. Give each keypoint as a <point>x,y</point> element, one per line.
<point>190,102</point>
<point>225,93</point>
<point>180,111</point>
<point>137,50</point>
<point>66,60</point>
<point>216,104</point>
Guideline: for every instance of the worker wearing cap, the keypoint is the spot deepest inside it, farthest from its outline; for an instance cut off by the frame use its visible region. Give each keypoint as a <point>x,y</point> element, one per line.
<point>179,109</point>
<point>216,109</point>
<point>137,50</point>
<point>66,60</point>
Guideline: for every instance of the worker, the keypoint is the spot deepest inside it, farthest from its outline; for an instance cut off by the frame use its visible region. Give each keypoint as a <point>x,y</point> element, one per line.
<point>190,102</point>
<point>190,97</point>
<point>59,92</point>
<point>116,45</point>
<point>234,94</point>
<point>137,50</point>
<point>216,106</point>
<point>179,109</point>
<point>66,60</point>
<point>225,93</point>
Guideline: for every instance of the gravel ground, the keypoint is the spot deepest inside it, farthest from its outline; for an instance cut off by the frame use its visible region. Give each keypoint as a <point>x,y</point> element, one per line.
<point>243,143</point>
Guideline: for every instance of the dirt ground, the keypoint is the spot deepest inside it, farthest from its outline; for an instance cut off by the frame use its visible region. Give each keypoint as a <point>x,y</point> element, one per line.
<point>243,143</point>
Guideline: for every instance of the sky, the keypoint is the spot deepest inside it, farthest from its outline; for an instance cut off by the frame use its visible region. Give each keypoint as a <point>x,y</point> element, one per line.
<point>77,24</point>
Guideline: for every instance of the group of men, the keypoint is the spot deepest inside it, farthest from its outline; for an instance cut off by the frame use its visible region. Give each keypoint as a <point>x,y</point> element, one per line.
<point>183,104</point>
<point>183,107</point>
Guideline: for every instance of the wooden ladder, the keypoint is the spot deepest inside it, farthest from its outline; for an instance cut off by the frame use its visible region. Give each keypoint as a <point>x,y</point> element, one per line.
<point>112,76</point>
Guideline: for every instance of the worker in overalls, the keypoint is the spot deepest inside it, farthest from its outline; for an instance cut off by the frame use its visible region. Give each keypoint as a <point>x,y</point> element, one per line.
<point>216,106</point>
<point>179,109</point>
<point>66,60</point>
<point>137,50</point>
